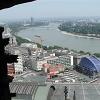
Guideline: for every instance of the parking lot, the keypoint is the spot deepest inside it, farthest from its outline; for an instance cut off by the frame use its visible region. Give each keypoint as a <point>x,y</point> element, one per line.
<point>82,91</point>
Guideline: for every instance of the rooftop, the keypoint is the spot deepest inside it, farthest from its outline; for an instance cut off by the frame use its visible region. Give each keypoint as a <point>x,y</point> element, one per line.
<point>23,87</point>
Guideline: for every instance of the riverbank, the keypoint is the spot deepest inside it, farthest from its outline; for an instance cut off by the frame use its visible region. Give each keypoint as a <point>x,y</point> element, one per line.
<point>80,36</point>
<point>53,36</point>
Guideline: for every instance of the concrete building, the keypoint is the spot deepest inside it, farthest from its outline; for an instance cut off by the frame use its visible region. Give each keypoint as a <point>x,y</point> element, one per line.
<point>13,41</point>
<point>22,52</point>
<point>29,45</point>
<point>52,70</point>
<point>7,34</point>
<point>11,70</point>
<point>38,64</point>
<point>19,65</point>
<point>65,60</point>
<point>45,67</point>
<point>77,58</point>
<point>16,51</point>
<point>60,52</point>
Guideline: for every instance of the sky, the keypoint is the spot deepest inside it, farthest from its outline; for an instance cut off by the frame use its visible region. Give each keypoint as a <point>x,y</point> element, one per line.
<point>52,8</point>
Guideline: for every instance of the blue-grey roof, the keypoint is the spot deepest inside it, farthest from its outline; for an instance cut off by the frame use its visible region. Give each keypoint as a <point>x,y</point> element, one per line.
<point>92,63</point>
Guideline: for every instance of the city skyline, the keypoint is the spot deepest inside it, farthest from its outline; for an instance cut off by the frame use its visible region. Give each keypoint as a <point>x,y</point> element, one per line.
<point>52,8</point>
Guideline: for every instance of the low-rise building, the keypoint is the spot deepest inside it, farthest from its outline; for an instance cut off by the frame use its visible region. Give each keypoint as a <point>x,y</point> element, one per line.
<point>29,45</point>
<point>11,70</point>
<point>60,67</point>
<point>52,70</point>
<point>38,64</point>
<point>19,65</point>
<point>45,67</point>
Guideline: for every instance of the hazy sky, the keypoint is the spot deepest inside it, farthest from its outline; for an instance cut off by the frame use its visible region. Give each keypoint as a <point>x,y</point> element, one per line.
<point>53,8</point>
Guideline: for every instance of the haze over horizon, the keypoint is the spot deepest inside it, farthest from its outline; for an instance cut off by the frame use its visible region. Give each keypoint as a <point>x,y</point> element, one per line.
<point>52,8</point>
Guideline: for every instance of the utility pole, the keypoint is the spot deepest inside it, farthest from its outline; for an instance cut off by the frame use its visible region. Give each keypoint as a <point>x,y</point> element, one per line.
<point>66,92</point>
<point>4,59</point>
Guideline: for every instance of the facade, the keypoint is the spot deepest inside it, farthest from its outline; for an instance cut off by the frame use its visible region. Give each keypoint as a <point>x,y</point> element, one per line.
<point>11,70</point>
<point>65,60</point>
<point>52,70</point>
<point>13,41</point>
<point>90,65</point>
<point>60,52</point>
<point>29,45</point>
<point>45,67</point>
<point>19,65</point>
<point>38,65</point>
<point>7,34</point>
<point>77,58</point>
<point>38,59</point>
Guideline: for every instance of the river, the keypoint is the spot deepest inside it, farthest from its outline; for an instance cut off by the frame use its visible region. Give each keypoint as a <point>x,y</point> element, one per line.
<point>52,36</point>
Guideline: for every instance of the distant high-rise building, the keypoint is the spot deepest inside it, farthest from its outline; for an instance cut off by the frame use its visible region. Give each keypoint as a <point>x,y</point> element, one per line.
<point>32,21</point>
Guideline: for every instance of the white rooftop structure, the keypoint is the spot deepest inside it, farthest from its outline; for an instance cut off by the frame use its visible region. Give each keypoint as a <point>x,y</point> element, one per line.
<point>29,45</point>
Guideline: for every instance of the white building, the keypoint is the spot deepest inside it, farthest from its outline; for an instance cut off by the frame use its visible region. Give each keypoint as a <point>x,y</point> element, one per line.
<point>66,60</point>
<point>29,45</point>
<point>19,65</point>
<point>38,65</point>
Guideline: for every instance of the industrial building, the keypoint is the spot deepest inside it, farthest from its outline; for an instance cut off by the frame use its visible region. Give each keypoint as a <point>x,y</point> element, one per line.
<point>90,65</point>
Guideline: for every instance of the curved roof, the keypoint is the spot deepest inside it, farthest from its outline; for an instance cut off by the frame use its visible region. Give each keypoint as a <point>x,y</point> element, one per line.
<point>91,63</point>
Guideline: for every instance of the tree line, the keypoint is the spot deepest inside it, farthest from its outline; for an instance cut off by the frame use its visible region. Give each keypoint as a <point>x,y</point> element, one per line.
<point>83,28</point>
